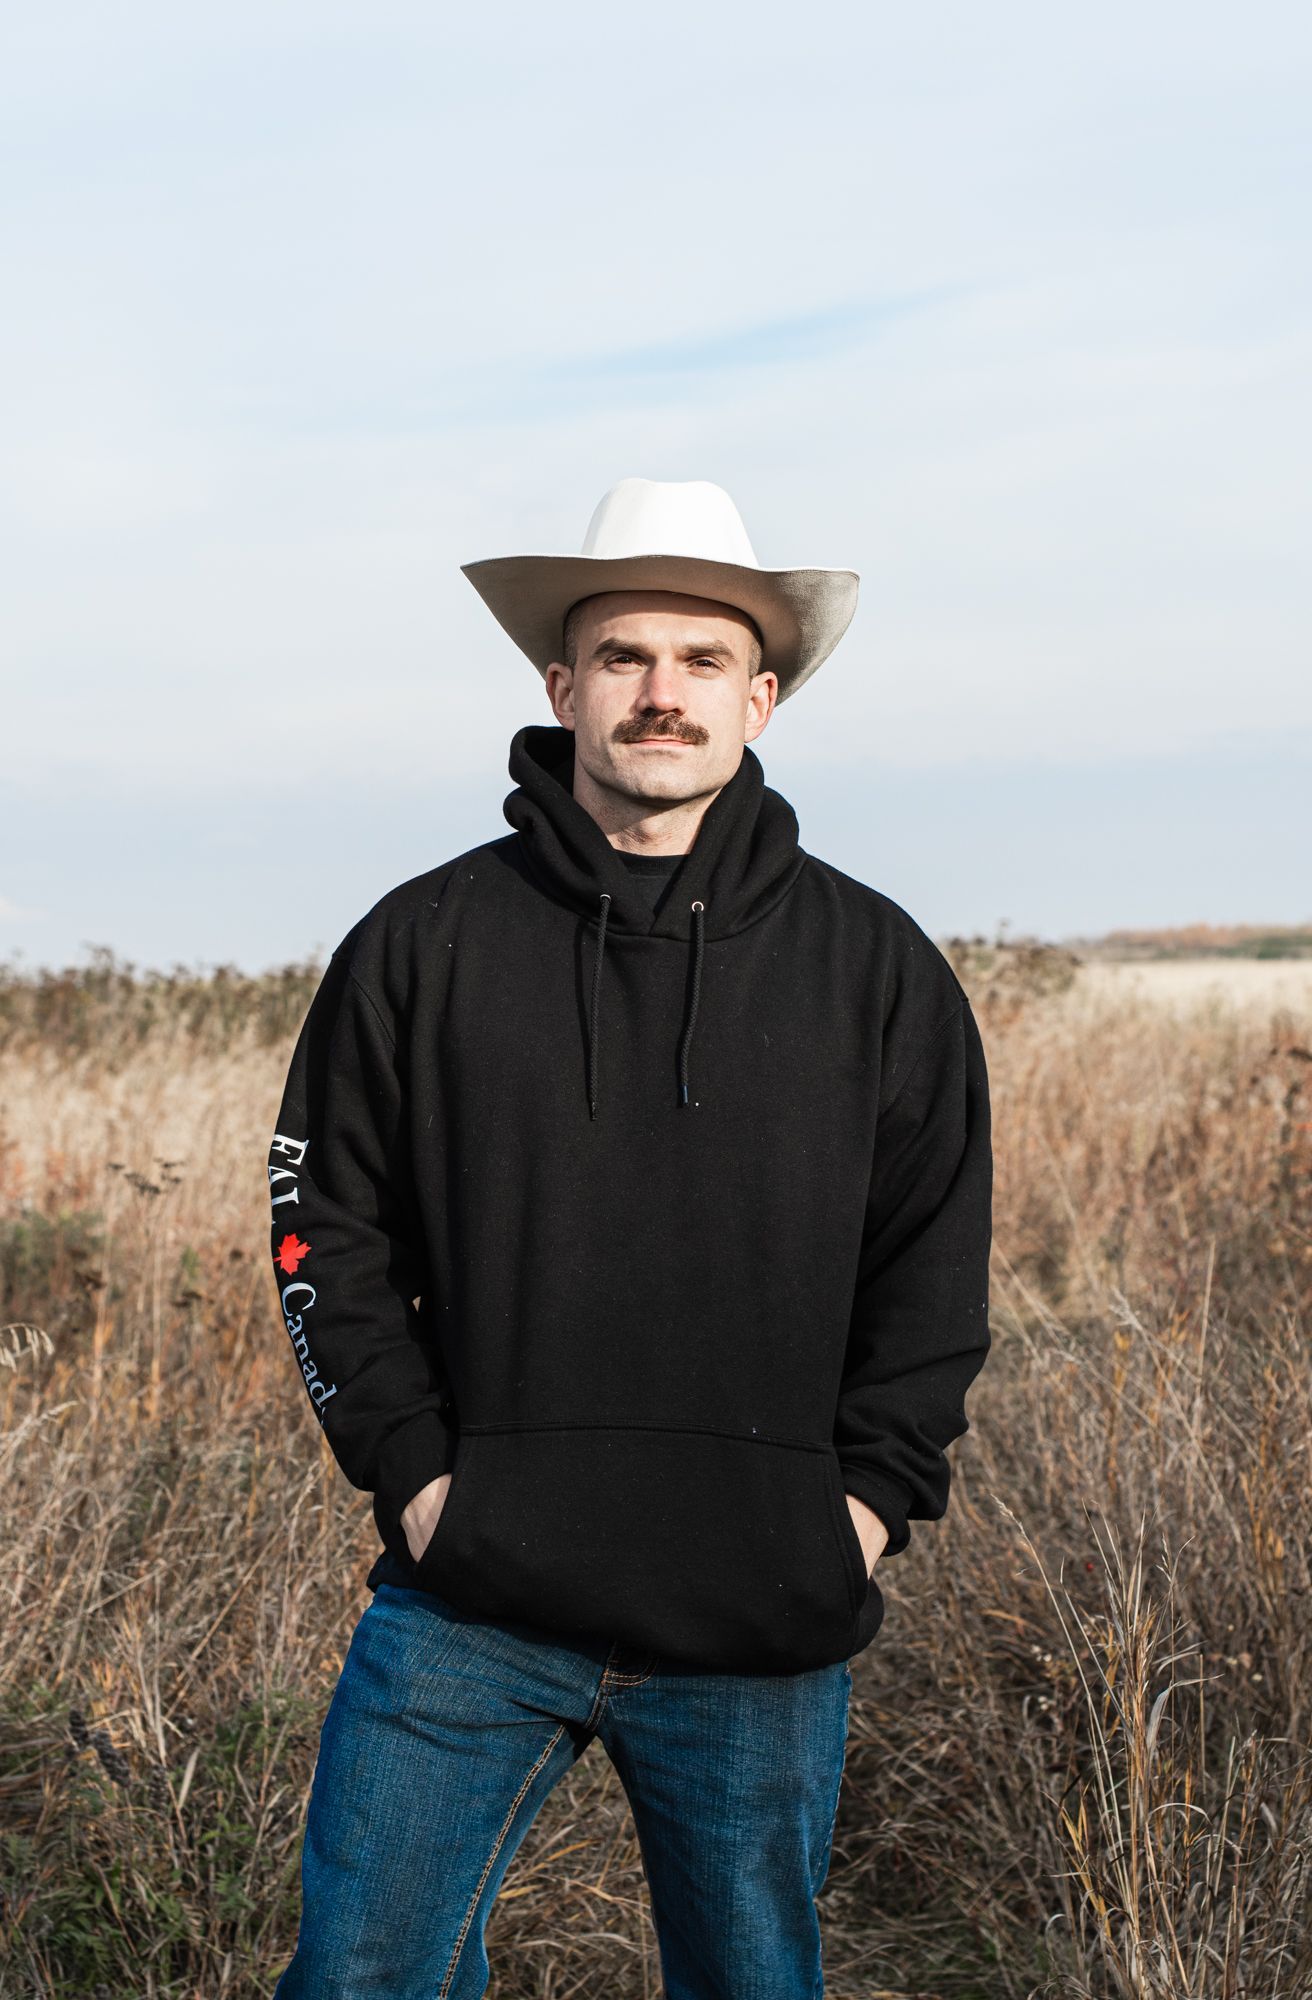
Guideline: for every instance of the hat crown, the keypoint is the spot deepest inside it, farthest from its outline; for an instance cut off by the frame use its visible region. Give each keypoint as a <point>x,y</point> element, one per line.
<point>669,517</point>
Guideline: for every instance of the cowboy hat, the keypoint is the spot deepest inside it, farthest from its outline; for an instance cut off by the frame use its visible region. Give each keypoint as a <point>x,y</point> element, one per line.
<point>671,534</point>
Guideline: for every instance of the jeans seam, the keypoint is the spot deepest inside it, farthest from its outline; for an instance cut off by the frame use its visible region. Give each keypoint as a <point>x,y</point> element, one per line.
<point>607,1685</point>
<point>612,1677</point>
<point>842,1773</point>
<point>515,1804</point>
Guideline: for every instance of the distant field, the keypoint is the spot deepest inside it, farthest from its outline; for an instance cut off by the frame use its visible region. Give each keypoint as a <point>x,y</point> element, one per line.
<point>1263,982</point>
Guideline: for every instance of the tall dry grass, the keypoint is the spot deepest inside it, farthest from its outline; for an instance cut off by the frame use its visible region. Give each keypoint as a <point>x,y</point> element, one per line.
<point>1078,1763</point>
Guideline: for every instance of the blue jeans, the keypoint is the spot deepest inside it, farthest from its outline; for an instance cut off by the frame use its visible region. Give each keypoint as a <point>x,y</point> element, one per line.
<point>445,1734</point>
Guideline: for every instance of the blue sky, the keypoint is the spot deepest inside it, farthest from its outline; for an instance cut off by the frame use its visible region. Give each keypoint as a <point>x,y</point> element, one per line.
<point>1008,309</point>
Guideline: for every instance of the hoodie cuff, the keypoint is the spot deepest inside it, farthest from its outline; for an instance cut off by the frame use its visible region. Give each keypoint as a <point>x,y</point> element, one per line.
<point>889,1498</point>
<point>414,1455</point>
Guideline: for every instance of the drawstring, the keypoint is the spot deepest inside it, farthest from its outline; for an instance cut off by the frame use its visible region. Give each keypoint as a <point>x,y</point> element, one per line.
<point>698,941</point>
<point>596,998</point>
<point>699,944</point>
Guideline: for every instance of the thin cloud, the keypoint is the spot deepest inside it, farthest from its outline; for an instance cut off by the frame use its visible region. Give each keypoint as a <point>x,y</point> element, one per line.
<point>687,371</point>
<point>769,343</point>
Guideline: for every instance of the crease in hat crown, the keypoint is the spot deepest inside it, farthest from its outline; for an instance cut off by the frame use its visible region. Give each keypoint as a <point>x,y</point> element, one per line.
<point>669,517</point>
<point>682,535</point>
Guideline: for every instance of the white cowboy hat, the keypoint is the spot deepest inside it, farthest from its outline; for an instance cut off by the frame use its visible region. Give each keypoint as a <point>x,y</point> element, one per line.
<point>671,534</point>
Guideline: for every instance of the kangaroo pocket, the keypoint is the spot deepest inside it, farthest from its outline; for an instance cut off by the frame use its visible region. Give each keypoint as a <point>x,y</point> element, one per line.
<point>732,1554</point>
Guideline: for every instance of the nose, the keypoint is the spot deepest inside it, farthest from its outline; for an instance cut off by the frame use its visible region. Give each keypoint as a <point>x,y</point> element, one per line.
<point>660,687</point>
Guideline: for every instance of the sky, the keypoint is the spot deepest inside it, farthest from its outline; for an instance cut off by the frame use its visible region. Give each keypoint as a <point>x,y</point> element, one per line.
<point>1009,309</point>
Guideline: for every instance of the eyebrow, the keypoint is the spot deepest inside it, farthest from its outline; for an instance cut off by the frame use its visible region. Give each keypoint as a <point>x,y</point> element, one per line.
<point>690,652</point>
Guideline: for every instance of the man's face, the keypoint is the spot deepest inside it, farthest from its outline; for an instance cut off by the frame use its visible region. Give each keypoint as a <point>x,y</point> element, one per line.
<point>661,697</point>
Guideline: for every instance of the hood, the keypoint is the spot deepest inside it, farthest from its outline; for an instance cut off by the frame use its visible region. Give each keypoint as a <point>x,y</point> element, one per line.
<point>744,859</point>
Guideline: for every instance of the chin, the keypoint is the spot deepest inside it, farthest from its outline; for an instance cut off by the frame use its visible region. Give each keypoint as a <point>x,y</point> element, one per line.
<point>654,771</point>
<point>669,787</point>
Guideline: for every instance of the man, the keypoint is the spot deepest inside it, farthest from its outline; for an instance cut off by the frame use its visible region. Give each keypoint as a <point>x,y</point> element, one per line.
<point>631,1220</point>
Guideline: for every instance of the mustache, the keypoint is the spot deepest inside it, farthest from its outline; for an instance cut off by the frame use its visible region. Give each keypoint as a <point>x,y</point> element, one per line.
<point>660,725</point>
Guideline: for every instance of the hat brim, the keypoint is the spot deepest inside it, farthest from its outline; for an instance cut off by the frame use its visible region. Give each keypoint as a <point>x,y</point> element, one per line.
<point>802,613</point>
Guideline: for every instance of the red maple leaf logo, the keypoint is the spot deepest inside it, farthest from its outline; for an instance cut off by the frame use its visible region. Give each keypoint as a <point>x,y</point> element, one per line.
<point>290,1252</point>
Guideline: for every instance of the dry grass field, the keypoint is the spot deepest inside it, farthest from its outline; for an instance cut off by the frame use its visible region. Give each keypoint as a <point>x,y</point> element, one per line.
<point>1264,983</point>
<point>1078,1766</point>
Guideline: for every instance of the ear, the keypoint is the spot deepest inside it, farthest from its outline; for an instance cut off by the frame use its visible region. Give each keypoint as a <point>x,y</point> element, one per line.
<point>760,704</point>
<point>560,691</point>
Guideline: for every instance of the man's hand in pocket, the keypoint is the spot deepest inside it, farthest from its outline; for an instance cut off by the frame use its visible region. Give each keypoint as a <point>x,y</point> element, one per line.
<point>421,1515</point>
<point>871,1532</point>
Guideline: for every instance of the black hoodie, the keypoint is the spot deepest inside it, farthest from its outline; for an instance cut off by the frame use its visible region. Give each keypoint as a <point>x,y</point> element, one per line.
<point>661,1229</point>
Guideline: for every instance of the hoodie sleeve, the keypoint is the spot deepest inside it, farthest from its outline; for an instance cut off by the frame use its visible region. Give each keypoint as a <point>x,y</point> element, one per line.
<point>347,1253</point>
<point>919,1332</point>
